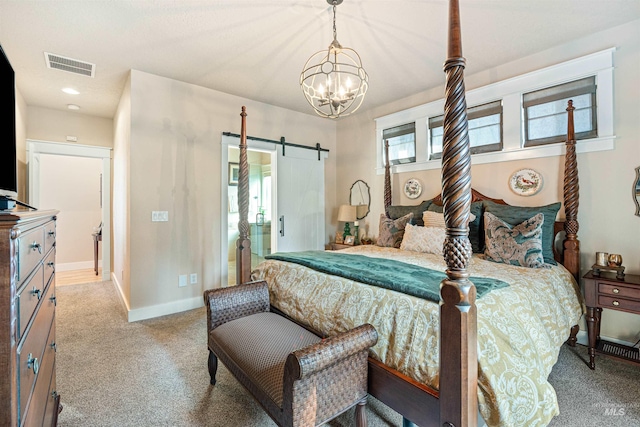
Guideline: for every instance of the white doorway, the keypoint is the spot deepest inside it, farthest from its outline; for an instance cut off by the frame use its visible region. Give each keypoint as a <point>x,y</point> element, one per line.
<point>296,187</point>
<point>75,179</point>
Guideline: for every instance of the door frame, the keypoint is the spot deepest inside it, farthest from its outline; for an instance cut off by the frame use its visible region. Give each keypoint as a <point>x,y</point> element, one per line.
<point>233,141</point>
<point>35,148</point>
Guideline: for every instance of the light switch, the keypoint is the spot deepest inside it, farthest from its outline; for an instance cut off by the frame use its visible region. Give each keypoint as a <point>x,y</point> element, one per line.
<point>159,216</point>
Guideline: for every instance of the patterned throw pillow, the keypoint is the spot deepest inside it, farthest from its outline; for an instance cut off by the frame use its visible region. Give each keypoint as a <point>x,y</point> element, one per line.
<point>516,245</point>
<point>392,230</point>
<point>516,214</point>
<point>428,240</point>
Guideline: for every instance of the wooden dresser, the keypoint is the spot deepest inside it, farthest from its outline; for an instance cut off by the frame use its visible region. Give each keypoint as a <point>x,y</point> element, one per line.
<point>28,394</point>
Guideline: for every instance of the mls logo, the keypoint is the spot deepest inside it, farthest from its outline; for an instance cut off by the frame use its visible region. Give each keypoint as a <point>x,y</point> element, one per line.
<point>614,411</point>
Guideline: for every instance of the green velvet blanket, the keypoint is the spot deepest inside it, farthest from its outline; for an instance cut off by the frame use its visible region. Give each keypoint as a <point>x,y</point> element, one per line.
<point>385,273</point>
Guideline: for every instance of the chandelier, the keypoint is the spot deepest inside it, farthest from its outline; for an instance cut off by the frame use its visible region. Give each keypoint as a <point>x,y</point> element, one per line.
<point>333,80</point>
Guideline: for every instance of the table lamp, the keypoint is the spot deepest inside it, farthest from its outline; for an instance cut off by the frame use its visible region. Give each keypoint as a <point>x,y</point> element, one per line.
<point>347,214</point>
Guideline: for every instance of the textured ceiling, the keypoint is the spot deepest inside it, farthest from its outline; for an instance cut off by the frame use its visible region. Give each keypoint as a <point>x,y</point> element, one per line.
<point>256,49</point>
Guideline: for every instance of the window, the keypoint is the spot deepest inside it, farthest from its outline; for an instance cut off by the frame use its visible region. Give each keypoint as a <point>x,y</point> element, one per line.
<point>402,143</point>
<point>545,117</point>
<point>484,125</point>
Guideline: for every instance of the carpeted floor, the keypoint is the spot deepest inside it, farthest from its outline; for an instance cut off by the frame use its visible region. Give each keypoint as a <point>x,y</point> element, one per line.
<point>154,373</point>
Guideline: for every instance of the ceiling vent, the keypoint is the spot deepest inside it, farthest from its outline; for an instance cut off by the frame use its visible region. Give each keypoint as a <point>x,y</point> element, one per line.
<point>70,65</point>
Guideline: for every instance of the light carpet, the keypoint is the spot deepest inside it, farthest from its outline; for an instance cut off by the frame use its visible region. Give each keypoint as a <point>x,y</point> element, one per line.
<point>154,373</point>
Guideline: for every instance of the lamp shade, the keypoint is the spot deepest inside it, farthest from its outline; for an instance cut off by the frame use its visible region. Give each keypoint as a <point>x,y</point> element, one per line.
<point>347,213</point>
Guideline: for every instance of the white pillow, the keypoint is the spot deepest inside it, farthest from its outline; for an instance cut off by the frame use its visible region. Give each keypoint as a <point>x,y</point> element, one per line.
<point>436,219</point>
<point>428,240</point>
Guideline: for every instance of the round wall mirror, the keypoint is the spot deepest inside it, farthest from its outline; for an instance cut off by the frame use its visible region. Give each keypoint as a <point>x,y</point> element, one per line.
<point>636,191</point>
<point>360,197</point>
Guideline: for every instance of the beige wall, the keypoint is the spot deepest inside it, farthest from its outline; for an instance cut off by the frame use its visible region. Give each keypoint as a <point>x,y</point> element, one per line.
<point>174,154</point>
<point>606,210</point>
<point>120,217</point>
<point>21,146</point>
<point>46,124</point>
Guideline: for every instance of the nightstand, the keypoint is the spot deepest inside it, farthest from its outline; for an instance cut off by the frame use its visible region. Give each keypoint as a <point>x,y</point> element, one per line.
<point>336,246</point>
<point>606,291</point>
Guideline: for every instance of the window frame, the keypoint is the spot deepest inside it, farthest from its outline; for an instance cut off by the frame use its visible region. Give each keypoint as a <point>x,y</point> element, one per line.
<point>396,131</point>
<point>557,96</point>
<point>475,112</point>
<point>599,64</point>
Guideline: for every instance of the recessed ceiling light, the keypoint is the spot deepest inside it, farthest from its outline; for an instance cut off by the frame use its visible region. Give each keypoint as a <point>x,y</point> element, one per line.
<point>73,107</point>
<point>70,91</point>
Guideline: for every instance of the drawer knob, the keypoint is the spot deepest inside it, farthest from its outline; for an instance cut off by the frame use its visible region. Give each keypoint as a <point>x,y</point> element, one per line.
<point>37,292</point>
<point>32,363</point>
<point>616,291</point>
<point>54,300</point>
<point>52,233</point>
<point>616,303</point>
<point>54,394</point>
<point>36,246</point>
<point>54,346</point>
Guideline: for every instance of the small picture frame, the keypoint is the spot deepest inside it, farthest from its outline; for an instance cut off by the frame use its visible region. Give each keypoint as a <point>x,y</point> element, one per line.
<point>338,236</point>
<point>349,240</point>
<point>234,170</point>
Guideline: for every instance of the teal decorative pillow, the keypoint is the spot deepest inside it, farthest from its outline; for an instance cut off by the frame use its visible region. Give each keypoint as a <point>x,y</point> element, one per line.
<point>514,215</point>
<point>515,245</point>
<point>399,211</point>
<point>392,230</point>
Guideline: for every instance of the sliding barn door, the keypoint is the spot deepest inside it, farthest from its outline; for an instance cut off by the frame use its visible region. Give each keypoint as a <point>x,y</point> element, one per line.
<point>299,223</point>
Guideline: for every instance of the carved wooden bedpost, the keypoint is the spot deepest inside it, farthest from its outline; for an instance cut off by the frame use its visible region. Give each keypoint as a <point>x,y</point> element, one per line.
<point>243,244</point>
<point>571,200</point>
<point>387,179</point>
<point>458,317</point>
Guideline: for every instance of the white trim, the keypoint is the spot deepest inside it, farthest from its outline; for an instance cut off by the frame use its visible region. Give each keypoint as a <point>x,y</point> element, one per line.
<point>599,64</point>
<point>164,309</point>
<point>35,148</point>
<point>80,265</point>
<point>120,292</point>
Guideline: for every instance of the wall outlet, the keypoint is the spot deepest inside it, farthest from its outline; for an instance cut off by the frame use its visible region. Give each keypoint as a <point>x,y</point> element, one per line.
<point>159,216</point>
<point>193,278</point>
<point>182,280</point>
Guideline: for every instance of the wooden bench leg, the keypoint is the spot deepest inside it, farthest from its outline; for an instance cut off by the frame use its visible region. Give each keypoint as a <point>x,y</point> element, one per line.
<point>213,367</point>
<point>361,415</point>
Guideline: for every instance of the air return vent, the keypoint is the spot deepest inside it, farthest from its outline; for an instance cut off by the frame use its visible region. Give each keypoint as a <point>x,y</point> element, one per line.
<point>70,65</point>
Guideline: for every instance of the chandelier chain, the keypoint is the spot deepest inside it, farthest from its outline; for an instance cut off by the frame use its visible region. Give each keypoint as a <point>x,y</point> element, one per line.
<point>335,32</point>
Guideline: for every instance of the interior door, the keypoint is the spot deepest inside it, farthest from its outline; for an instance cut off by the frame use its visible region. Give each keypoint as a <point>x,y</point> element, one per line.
<point>300,200</point>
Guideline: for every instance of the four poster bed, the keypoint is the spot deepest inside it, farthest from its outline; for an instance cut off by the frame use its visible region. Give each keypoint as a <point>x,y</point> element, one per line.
<point>426,364</point>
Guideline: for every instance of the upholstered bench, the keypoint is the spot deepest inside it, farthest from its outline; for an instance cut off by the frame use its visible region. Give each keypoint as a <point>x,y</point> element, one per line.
<point>297,377</point>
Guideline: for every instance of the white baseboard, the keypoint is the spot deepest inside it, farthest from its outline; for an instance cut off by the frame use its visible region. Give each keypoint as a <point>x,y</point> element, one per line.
<point>584,339</point>
<point>80,265</point>
<point>118,286</point>
<point>155,310</point>
<point>165,309</point>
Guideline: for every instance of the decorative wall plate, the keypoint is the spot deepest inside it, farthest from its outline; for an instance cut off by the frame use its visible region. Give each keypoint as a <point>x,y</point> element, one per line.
<point>412,188</point>
<point>525,182</point>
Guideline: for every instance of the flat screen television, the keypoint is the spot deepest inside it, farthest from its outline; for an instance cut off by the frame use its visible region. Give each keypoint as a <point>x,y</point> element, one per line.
<point>8,159</point>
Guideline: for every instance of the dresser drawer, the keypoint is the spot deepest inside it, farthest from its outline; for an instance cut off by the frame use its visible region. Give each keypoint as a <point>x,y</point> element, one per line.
<point>49,266</point>
<point>618,303</point>
<point>53,403</point>
<point>30,251</point>
<point>49,236</point>
<point>28,297</point>
<point>31,351</point>
<point>38,401</point>
<point>618,291</point>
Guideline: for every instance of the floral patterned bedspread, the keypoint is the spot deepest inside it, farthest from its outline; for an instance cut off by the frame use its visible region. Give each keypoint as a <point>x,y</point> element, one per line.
<point>520,327</point>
